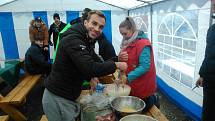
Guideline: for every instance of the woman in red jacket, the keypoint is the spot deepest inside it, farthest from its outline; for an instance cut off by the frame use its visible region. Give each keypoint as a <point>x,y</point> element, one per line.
<point>141,74</point>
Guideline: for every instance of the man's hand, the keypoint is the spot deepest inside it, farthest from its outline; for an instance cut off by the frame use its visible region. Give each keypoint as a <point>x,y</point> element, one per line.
<point>199,82</point>
<point>123,56</point>
<point>45,48</point>
<point>121,66</point>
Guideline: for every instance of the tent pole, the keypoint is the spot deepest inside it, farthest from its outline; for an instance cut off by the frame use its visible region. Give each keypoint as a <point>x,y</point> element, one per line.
<point>211,13</point>
<point>151,12</point>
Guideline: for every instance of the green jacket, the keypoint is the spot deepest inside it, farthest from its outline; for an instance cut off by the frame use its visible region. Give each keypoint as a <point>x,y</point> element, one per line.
<point>59,37</point>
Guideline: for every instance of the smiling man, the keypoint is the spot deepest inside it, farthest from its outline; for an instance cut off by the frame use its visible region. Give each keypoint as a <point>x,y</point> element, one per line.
<point>95,25</point>
<point>75,61</point>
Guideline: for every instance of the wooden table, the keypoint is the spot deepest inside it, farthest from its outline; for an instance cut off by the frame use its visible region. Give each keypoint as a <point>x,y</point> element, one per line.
<point>17,97</point>
<point>154,112</point>
<point>10,73</point>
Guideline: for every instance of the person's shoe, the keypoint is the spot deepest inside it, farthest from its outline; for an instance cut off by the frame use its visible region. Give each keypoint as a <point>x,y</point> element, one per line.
<point>157,103</point>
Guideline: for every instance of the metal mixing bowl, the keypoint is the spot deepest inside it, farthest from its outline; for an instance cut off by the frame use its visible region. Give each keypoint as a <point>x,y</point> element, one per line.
<point>121,102</point>
<point>137,117</point>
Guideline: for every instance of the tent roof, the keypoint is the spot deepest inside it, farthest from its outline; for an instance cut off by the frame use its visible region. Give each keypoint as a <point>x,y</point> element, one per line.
<point>124,4</point>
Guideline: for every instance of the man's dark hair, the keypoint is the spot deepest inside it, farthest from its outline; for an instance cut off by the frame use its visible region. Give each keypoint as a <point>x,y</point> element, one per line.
<point>85,13</point>
<point>99,13</point>
<point>56,15</point>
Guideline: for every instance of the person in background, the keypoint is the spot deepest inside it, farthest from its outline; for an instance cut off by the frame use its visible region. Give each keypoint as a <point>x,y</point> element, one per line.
<point>55,28</point>
<point>207,73</point>
<point>207,77</point>
<point>35,60</point>
<point>106,49</point>
<point>74,63</point>
<point>141,74</point>
<point>39,31</point>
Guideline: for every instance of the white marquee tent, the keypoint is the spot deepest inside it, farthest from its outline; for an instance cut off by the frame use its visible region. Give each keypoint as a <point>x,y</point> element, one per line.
<point>176,28</point>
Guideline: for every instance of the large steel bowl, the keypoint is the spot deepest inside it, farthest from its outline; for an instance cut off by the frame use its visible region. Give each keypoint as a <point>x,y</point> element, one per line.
<point>137,117</point>
<point>119,104</point>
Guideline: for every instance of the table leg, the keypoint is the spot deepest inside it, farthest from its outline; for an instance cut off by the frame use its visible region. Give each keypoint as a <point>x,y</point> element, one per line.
<point>12,112</point>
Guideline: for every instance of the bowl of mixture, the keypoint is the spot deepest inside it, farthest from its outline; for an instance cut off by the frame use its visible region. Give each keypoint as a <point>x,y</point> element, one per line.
<point>126,105</point>
<point>137,117</point>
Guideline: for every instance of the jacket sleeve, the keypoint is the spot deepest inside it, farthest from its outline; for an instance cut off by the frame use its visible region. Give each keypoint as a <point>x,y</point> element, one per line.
<point>208,64</point>
<point>64,25</point>
<point>84,62</point>
<point>143,67</point>
<point>106,49</point>
<point>39,59</point>
<point>46,34</point>
<point>115,59</point>
<point>50,32</point>
<point>31,34</point>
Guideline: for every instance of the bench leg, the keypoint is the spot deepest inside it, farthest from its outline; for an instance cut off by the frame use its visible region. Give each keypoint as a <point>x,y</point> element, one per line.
<point>13,112</point>
<point>157,114</point>
<point>4,118</point>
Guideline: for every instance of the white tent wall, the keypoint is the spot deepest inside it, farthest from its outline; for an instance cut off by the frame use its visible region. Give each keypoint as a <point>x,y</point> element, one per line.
<point>21,22</point>
<point>179,31</point>
<point>143,19</point>
<point>117,18</point>
<point>1,50</point>
<point>22,12</point>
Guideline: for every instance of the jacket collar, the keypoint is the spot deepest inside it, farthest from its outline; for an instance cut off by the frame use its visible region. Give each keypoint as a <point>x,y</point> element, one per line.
<point>84,31</point>
<point>36,45</point>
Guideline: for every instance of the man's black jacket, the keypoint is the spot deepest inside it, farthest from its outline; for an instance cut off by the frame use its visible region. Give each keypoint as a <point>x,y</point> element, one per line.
<point>106,49</point>
<point>55,30</point>
<point>208,65</point>
<point>75,62</point>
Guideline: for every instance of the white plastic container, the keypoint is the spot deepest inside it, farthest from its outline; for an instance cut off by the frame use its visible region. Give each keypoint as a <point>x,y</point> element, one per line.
<point>115,91</point>
<point>2,64</point>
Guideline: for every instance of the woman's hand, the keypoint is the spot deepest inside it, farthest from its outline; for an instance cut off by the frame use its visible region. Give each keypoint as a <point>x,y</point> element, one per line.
<point>122,66</point>
<point>123,56</point>
<point>93,82</point>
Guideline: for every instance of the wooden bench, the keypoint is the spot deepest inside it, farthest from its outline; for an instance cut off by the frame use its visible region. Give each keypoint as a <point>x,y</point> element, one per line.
<point>156,113</point>
<point>17,96</point>
<point>4,118</point>
<point>43,118</point>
